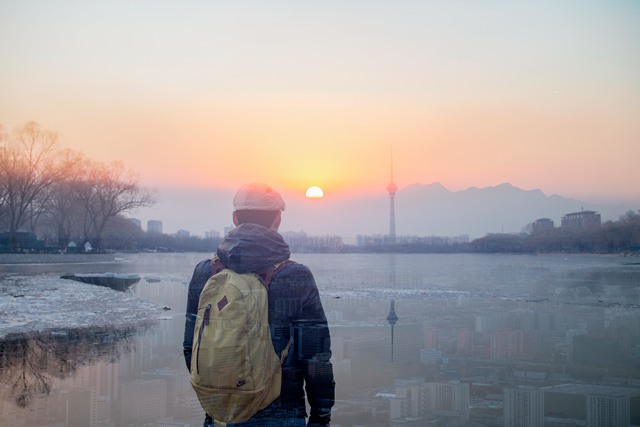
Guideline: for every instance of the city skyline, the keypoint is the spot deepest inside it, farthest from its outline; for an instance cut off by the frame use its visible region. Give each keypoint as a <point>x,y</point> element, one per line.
<point>422,210</point>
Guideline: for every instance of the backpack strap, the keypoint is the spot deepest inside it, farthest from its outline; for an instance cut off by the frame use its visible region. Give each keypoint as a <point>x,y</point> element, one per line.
<point>269,273</point>
<point>266,275</point>
<point>216,265</point>
<point>285,352</point>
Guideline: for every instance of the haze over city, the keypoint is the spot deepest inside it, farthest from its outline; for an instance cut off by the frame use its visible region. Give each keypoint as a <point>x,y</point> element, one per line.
<point>201,98</point>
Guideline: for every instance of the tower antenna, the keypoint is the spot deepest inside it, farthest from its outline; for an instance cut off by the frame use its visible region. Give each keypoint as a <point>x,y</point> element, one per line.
<point>391,189</point>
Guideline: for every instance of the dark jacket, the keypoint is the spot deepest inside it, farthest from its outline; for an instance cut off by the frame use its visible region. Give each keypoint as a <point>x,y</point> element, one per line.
<point>294,309</point>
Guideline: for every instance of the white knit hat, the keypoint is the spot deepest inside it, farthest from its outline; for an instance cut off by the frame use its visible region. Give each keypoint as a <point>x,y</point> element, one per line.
<point>258,196</point>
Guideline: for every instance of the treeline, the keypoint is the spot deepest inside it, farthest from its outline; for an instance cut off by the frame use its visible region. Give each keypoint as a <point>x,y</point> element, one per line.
<point>618,236</point>
<point>128,237</point>
<point>58,194</point>
<point>412,244</point>
<point>611,237</point>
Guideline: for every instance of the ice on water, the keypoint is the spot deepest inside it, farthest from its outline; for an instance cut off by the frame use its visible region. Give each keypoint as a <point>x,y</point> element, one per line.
<point>44,302</point>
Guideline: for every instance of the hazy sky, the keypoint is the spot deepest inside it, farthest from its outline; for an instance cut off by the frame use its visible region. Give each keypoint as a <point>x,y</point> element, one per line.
<point>212,94</point>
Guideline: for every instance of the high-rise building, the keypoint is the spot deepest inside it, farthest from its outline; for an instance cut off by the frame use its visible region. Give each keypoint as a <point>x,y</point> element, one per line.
<point>592,405</point>
<point>452,398</point>
<point>415,398</point>
<point>136,222</point>
<point>506,344</point>
<point>154,226</point>
<point>581,220</point>
<point>368,354</point>
<point>212,234</point>
<point>183,234</point>
<point>542,225</point>
<point>143,400</point>
<point>523,407</point>
<point>81,407</point>
<point>464,344</point>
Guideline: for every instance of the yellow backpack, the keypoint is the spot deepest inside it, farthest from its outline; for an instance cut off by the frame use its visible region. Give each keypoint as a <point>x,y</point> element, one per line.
<point>235,370</point>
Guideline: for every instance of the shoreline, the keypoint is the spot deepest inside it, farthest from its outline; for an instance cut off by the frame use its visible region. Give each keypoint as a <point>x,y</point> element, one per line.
<point>54,258</point>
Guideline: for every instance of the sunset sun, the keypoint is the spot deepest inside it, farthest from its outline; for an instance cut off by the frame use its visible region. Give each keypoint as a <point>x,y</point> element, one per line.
<point>315,193</point>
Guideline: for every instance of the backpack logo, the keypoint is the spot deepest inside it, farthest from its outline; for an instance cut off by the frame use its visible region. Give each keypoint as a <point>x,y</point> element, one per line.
<point>241,383</point>
<point>223,303</point>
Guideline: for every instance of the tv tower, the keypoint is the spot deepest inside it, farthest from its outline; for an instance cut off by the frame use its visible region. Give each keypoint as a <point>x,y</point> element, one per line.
<point>391,189</point>
<point>392,318</point>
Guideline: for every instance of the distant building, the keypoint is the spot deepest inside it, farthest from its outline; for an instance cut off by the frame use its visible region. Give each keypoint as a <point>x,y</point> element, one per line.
<point>430,356</point>
<point>212,234</point>
<point>154,226</point>
<point>591,405</point>
<point>523,407</point>
<point>136,222</point>
<point>415,398</point>
<point>143,400</point>
<point>541,225</point>
<point>581,220</point>
<point>506,344</point>
<point>174,381</point>
<point>451,398</point>
<point>82,406</point>
<point>407,343</point>
<point>491,321</point>
<point>431,336</point>
<point>464,344</point>
<point>370,352</point>
<point>183,234</point>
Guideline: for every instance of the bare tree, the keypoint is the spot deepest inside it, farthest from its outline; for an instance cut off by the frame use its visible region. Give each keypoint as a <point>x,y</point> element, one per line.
<point>4,139</point>
<point>62,211</point>
<point>109,190</point>
<point>30,162</point>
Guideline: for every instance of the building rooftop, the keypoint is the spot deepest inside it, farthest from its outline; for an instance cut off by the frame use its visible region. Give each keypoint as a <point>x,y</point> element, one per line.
<point>593,390</point>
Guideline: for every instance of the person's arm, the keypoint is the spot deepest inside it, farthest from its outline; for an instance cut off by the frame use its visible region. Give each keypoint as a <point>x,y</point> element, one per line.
<point>201,274</point>
<point>315,343</point>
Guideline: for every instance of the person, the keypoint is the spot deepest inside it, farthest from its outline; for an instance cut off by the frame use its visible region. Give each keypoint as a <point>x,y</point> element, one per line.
<point>294,309</point>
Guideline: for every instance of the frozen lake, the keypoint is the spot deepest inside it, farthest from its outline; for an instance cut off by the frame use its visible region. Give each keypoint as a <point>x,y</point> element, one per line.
<point>488,321</point>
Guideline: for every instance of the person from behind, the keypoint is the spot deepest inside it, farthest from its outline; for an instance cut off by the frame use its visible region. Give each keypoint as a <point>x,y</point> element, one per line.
<point>296,318</point>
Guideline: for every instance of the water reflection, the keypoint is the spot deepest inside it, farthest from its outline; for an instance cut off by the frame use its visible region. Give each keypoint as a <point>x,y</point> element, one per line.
<point>31,363</point>
<point>476,340</point>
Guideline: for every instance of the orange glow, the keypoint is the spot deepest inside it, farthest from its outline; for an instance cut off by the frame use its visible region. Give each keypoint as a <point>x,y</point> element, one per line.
<point>328,114</point>
<point>348,152</point>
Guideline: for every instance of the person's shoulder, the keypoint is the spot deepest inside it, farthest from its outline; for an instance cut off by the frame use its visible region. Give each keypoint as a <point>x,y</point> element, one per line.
<point>203,270</point>
<point>204,265</point>
<point>296,268</point>
<point>295,273</point>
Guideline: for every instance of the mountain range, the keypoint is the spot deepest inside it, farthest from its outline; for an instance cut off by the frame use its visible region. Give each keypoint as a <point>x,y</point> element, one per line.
<point>420,209</point>
<point>431,209</point>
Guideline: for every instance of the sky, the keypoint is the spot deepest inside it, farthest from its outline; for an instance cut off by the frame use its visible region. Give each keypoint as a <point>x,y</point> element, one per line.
<point>200,97</point>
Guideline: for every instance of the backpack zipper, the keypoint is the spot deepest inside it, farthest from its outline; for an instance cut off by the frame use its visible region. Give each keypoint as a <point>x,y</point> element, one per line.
<point>205,321</point>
